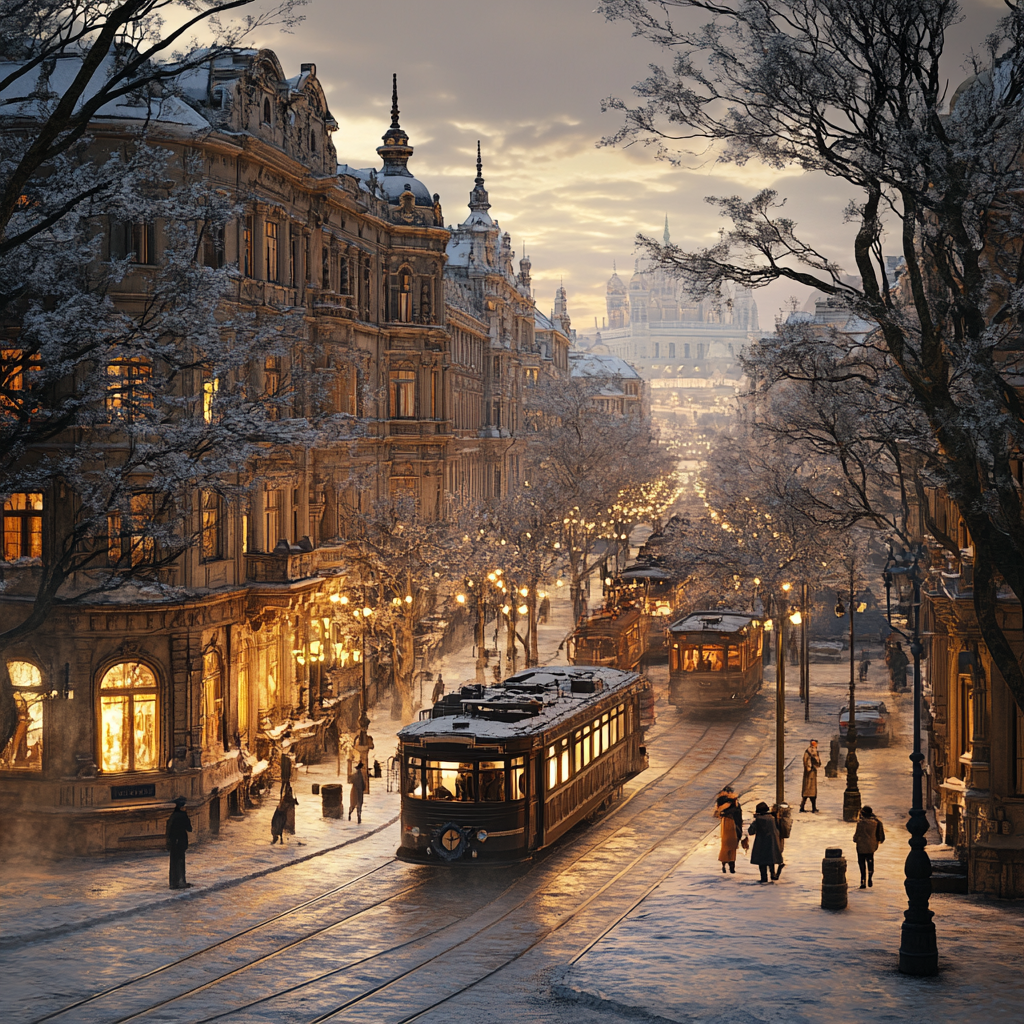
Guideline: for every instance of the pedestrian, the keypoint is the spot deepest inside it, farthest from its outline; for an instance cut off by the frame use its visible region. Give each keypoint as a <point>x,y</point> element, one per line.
<point>766,852</point>
<point>178,828</point>
<point>438,692</point>
<point>898,669</point>
<point>289,803</point>
<point>867,837</point>
<point>355,794</point>
<point>809,790</point>
<point>286,771</point>
<point>862,672</point>
<point>728,809</point>
<point>545,610</point>
<point>277,823</point>
<point>785,826</point>
<point>794,648</point>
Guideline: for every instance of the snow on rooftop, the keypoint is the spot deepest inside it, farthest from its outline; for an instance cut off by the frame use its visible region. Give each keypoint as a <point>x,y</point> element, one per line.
<point>722,621</point>
<point>596,364</point>
<point>546,690</point>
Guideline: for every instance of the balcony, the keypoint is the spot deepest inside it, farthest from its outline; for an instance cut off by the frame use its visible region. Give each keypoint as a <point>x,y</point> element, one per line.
<point>290,568</point>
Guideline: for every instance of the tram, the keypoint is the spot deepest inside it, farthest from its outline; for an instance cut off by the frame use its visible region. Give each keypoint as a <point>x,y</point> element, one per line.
<point>495,773</point>
<point>649,585</point>
<point>714,659</point>
<point>614,637</point>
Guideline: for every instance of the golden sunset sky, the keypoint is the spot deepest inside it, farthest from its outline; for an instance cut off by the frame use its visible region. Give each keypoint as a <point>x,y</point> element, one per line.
<point>527,78</point>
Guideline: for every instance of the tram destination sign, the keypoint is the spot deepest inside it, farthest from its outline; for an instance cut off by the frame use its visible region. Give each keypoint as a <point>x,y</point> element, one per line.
<point>133,792</point>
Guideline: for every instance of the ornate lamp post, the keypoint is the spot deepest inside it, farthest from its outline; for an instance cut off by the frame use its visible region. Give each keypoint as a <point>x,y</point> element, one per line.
<point>780,699</point>
<point>851,796</point>
<point>805,664</point>
<point>919,953</point>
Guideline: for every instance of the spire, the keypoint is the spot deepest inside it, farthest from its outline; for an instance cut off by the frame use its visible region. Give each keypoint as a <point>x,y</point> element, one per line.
<point>667,236</point>
<point>615,269</point>
<point>478,198</point>
<point>396,149</point>
<point>394,102</point>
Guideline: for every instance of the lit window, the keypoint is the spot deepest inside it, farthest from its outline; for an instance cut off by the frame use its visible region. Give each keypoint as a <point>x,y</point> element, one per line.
<point>213,526</point>
<point>128,719</point>
<point>24,751</point>
<point>15,364</point>
<point>127,538</point>
<point>213,703</point>
<point>129,388</point>
<point>211,385</point>
<point>23,526</point>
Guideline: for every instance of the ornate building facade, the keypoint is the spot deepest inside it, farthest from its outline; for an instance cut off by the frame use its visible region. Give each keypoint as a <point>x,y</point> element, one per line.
<point>130,700</point>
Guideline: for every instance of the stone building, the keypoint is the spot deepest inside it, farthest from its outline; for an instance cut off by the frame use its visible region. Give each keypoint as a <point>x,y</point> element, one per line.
<point>131,700</point>
<point>977,730</point>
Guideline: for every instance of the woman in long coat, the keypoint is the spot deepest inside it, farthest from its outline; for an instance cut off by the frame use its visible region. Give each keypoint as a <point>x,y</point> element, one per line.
<point>809,789</point>
<point>728,809</point>
<point>766,852</point>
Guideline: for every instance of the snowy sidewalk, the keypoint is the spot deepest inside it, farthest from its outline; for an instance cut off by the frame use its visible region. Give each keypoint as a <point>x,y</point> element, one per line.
<point>722,948</point>
<point>46,899</point>
<point>43,899</point>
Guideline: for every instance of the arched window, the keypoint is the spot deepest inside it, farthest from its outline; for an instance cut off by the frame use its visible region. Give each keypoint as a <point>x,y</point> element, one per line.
<point>25,749</point>
<point>213,703</point>
<point>129,740</point>
<point>312,142</point>
<point>266,111</point>
<point>402,294</point>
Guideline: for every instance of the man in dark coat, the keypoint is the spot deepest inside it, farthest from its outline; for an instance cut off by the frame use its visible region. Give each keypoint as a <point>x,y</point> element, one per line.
<point>766,852</point>
<point>355,794</point>
<point>809,790</point>
<point>178,828</point>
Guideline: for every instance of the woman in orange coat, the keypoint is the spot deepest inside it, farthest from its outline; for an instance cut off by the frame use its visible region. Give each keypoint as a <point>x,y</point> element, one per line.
<point>728,809</point>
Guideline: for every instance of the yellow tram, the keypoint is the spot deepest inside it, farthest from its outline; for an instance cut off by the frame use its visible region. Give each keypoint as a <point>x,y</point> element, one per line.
<point>714,659</point>
<point>493,773</point>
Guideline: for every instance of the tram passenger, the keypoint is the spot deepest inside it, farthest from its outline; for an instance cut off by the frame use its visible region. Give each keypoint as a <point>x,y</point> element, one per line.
<point>492,785</point>
<point>464,783</point>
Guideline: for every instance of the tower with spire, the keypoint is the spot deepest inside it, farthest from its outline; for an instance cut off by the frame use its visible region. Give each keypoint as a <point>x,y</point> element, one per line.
<point>616,300</point>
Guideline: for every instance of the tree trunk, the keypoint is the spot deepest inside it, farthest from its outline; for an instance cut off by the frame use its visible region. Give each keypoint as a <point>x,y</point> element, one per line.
<point>531,603</point>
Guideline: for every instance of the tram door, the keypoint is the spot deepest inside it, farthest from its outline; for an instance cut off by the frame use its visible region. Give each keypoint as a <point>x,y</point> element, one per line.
<point>534,801</point>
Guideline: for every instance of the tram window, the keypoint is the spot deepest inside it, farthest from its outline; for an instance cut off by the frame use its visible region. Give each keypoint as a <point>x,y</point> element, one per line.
<point>450,780</point>
<point>577,750</point>
<point>413,778</point>
<point>735,658</point>
<point>615,727</point>
<point>596,735</point>
<point>492,781</point>
<point>552,768</point>
<point>518,778</point>
<point>564,761</point>
<point>586,745</point>
<point>605,733</point>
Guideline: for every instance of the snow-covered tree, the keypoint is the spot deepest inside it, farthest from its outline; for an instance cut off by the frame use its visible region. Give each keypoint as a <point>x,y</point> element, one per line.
<point>857,90</point>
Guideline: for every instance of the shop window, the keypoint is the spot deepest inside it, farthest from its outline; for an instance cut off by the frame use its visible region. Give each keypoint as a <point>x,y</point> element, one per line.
<point>403,394</point>
<point>24,751</point>
<point>212,526</point>
<point>129,539</point>
<point>23,526</point>
<point>213,703</point>
<point>129,389</point>
<point>273,272</point>
<point>129,737</point>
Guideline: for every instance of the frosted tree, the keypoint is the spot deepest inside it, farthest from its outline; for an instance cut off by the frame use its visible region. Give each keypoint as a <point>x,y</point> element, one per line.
<point>856,89</point>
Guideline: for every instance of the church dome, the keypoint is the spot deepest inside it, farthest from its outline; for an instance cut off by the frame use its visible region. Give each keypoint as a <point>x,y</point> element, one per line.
<point>615,285</point>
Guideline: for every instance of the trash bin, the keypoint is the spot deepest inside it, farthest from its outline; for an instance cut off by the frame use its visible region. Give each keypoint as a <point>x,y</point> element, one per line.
<point>833,880</point>
<point>332,801</point>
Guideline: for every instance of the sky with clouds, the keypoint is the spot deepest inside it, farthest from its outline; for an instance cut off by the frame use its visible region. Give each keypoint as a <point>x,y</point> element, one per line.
<point>526,78</point>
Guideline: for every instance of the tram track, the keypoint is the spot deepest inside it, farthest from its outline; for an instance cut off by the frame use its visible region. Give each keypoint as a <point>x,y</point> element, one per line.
<point>542,881</point>
<point>588,850</point>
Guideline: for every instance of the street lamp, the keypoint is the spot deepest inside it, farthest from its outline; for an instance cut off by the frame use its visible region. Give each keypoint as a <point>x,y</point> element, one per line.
<point>919,953</point>
<point>780,700</point>
<point>851,796</point>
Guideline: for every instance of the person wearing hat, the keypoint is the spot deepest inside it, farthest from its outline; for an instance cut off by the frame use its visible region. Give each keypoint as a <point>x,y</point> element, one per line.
<point>178,828</point>
<point>355,795</point>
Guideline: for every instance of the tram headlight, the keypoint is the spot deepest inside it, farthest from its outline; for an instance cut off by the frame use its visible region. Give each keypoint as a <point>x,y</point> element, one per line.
<point>481,836</point>
<point>415,832</point>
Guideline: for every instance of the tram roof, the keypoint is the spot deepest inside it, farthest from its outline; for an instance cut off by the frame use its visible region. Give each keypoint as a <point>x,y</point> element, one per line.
<point>529,702</point>
<point>718,621</point>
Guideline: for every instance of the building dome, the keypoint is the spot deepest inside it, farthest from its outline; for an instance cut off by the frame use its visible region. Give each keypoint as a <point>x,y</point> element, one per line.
<point>395,177</point>
<point>615,285</point>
